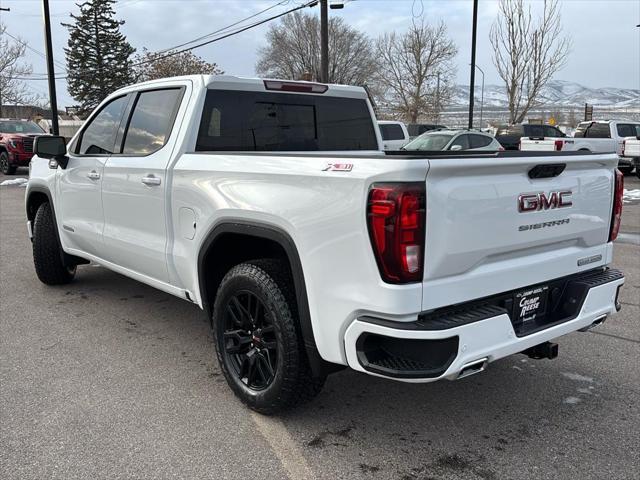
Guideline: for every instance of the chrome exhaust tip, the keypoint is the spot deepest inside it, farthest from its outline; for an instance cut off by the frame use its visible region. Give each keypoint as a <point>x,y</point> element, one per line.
<point>596,322</point>
<point>472,368</point>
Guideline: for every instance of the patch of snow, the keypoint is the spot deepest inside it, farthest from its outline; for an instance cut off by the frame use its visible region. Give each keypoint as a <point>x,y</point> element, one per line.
<point>631,195</point>
<point>15,181</point>
<point>587,391</point>
<point>571,400</point>
<point>577,377</point>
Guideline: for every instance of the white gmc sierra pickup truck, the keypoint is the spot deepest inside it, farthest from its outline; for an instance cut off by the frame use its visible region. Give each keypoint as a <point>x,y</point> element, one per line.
<point>270,205</point>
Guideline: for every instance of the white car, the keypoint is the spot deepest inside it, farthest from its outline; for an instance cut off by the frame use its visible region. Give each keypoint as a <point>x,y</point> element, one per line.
<point>394,134</point>
<point>604,136</point>
<point>454,140</point>
<point>269,205</point>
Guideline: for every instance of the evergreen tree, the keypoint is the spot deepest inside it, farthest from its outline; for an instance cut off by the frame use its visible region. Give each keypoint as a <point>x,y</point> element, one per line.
<point>98,54</point>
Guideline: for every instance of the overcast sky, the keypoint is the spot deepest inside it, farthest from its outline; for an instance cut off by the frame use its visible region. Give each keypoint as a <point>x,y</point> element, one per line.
<point>606,42</point>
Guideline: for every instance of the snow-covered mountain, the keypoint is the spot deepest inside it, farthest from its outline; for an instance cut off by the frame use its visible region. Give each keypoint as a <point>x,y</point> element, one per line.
<point>557,93</point>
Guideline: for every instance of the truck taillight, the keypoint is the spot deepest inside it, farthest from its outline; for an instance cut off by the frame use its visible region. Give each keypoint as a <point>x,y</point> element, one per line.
<point>396,221</point>
<point>559,144</point>
<point>616,215</point>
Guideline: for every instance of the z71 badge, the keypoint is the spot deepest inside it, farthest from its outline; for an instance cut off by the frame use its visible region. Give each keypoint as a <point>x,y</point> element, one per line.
<point>338,167</point>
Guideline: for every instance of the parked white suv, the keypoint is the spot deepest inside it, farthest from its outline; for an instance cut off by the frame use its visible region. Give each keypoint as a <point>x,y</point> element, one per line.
<point>269,205</point>
<point>394,134</point>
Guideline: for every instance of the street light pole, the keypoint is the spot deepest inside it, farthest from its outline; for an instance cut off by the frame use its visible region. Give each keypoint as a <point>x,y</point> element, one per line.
<point>324,41</point>
<point>50,70</point>
<point>473,61</point>
<point>482,95</point>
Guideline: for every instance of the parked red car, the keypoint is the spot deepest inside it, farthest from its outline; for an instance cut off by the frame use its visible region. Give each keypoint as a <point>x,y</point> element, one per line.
<point>16,144</point>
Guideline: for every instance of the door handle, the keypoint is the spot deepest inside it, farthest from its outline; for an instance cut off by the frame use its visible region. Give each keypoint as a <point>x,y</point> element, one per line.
<point>93,175</point>
<point>151,180</point>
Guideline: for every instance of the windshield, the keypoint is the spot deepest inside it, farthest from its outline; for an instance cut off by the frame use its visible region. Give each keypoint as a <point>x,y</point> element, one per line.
<point>429,141</point>
<point>20,127</point>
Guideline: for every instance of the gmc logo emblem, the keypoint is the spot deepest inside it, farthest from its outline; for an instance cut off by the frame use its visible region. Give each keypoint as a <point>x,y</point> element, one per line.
<point>533,202</point>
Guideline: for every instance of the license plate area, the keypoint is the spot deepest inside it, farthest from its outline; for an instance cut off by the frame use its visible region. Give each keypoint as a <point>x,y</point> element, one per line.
<point>530,305</point>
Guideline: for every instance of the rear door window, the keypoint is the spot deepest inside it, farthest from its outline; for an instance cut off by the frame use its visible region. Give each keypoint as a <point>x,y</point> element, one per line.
<point>479,141</point>
<point>534,131</point>
<point>462,140</point>
<point>391,131</point>
<point>598,130</point>
<point>261,121</point>
<point>552,132</point>
<point>151,121</point>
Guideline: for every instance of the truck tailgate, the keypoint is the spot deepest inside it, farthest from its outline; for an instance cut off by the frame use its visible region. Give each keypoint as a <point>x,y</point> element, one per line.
<point>478,243</point>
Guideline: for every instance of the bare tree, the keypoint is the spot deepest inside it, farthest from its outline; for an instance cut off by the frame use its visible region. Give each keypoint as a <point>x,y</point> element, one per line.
<point>416,71</point>
<point>293,51</point>
<point>13,70</point>
<point>527,52</point>
<point>151,66</point>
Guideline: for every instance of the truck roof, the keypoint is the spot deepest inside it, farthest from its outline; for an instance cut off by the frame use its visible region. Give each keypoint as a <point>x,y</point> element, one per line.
<point>254,84</point>
<point>608,121</point>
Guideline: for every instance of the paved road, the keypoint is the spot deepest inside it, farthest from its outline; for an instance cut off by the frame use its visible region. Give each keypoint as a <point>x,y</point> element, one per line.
<point>108,378</point>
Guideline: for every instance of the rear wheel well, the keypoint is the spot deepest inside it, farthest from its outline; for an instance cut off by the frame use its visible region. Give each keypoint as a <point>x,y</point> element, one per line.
<point>230,244</point>
<point>230,249</point>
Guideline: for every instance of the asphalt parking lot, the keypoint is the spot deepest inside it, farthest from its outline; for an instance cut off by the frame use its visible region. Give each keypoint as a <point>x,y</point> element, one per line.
<point>109,378</point>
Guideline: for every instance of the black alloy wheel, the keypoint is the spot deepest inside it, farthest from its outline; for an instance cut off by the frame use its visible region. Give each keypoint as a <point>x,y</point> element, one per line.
<point>249,340</point>
<point>257,336</point>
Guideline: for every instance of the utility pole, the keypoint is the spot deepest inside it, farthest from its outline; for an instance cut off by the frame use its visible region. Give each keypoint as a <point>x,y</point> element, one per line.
<point>50,71</point>
<point>473,61</point>
<point>482,96</point>
<point>324,42</point>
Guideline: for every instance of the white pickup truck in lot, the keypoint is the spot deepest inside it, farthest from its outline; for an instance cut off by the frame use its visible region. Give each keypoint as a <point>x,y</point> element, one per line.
<point>604,136</point>
<point>271,206</point>
<point>394,134</point>
<point>631,152</point>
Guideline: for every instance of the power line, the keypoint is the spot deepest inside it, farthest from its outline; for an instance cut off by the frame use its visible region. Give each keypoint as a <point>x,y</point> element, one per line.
<point>283,2</point>
<point>29,47</point>
<point>240,30</point>
<point>172,51</point>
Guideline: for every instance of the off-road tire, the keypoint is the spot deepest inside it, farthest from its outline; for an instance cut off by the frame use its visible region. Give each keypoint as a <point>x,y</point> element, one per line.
<point>5,167</point>
<point>47,254</point>
<point>293,382</point>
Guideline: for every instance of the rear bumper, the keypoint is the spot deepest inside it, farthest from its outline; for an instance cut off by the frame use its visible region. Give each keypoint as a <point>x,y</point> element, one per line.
<point>444,345</point>
<point>625,161</point>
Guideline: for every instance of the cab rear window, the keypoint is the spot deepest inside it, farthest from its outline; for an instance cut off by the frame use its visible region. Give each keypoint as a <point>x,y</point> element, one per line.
<point>261,121</point>
<point>391,131</point>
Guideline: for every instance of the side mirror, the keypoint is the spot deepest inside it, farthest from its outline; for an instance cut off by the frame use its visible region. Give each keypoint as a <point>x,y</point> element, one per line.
<point>455,148</point>
<point>52,147</point>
